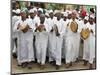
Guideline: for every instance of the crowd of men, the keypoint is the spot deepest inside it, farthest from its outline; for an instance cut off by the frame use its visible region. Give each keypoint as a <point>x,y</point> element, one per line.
<point>37,35</point>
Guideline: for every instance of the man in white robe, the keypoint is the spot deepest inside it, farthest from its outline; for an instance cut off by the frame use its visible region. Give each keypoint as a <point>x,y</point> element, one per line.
<point>60,24</point>
<point>85,42</point>
<point>55,46</point>
<point>41,42</point>
<point>50,23</point>
<point>65,20</point>
<point>89,44</point>
<point>25,49</point>
<point>76,38</point>
<point>71,43</point>
<point>15,18</point>
<point>50,20</point>
<point>55,42</point>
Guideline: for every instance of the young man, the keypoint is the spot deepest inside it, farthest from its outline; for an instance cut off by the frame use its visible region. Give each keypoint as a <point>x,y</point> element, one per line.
<point>25,51</point>
<point>89,44</point>
<point>32,17</point>
<point>41,42</point>
<point>50,20</point>
<point>55,41</point>
<point>60,24</point>
<point>86,42</point>
<point>55,46</point>
<point>65,20</point>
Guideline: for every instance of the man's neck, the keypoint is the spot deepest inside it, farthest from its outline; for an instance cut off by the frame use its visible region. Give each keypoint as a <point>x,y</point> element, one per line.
<point>32,17</point>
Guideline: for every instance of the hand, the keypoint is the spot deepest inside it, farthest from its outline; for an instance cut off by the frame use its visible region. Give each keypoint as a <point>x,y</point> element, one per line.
<point>91,30</point>
<point>25,29</point>
<point>18,26</point>
<point>68,24</point>
<point>36,25</point>
<point>51,30</point>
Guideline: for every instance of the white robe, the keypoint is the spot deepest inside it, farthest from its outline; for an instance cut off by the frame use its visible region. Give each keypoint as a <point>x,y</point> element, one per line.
<point>61,29</point>
<point>89,45</point>
<point>37,21</point>
<point>77,41</point>
<point>50,23</point>
<point>64,37</point>
<point>41,46</point>
<point>55,48</point>
<point>14,34</point>
<point>71,44</point>
<point>60,25</point>
<point>14,20</point>
<point>25,49</point>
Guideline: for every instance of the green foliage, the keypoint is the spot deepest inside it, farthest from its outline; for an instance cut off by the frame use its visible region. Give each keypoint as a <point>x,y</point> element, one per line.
<point>56,6</point>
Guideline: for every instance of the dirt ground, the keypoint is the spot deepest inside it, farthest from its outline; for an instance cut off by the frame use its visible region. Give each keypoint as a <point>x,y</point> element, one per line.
<point>48,67</point>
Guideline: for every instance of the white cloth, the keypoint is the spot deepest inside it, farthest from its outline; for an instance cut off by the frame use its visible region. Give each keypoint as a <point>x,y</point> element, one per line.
<point>64,37</point>
<point>20,22</point>
<point>25,49</point>
<point>41,46</point>
<point>89,45</point>
<point>40,9</point>
<point>33,22</point>
<point>45,23</point>
<point>14,20</point>
<point>50,23</point>
<point>60,25</point>
<point>31,11</point>
<point>55,48</point>
<point>18,11</point>
<point>71,44</point>
<point>14,34</point>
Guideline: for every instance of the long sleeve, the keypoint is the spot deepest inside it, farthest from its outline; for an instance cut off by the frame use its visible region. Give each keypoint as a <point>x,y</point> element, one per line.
<point>15,26</point>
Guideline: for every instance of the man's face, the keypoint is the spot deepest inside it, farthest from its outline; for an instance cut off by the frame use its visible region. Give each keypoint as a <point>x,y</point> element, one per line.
<point>58,16</point>
<point>42,19</point>
<point>91,20</point>
<point>51,15</point>
<point>23,15</point>
<point>73,15</point>
<point>69,16</point>
<point>32,15</point>
<point>85,21</point>
<point>64,18</point>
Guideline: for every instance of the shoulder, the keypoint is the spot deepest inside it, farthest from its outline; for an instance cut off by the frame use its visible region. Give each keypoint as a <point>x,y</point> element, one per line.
<point>28,19</point>
<point>19,21</point>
